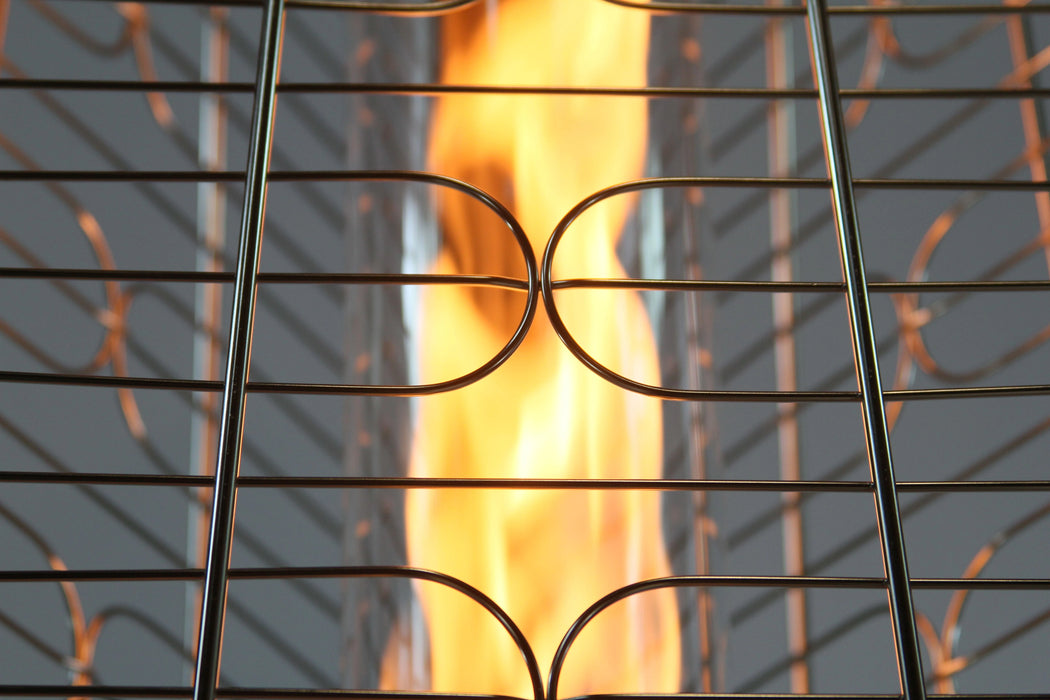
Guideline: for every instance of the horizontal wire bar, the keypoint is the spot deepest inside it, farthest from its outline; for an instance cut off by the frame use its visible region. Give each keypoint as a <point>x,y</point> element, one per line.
<point>100,575</point>
<point>988,93</point>
<point>88,85</point>
<point>105,479</point>
<point>966,392</point>
<point>656,5</point>
<point>956,9</point>
<point>143,691</point>
<point>207,3</point>
<point>91,380</point>
<point>973,486</point>
<point>512,283</point>
<point>729,9</point>
<point>698,285</point>
<point>315,572</point>
<point>398,278</point>
<point>757,396</point>
<point>146,691</point>
<point>950,184</point>
<point>352,694</point>
<point>95,691</point>
<point>366,482</point>
<point>416,89</point>
<point>188,176</point>
<point>801,287</point>
<point>805,696</point>
<point>710,580</point>
<point>362,694</point>
<point>122,275</point>
<point>977,584</point>
<point>197,176</point>
<point>559,484</point>
<point>420,7</point>
<point>950,286</point>
<point>403,695</point>
<point>498,281</point>
<point>707,580</point>
<point>327,389</point>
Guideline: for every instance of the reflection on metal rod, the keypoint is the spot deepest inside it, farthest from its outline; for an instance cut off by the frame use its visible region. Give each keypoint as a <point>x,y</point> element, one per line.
<point>231,429</point>
<point>867,358</point>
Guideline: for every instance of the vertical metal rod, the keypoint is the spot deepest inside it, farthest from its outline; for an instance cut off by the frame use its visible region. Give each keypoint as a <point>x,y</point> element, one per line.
<point>866,355</point>
<point>231,430</point>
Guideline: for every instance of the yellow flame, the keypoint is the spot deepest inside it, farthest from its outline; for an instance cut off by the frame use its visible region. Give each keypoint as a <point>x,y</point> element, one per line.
<point>543,555</point>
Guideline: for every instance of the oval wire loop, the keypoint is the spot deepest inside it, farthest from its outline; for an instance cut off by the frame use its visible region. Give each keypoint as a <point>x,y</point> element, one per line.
<point>547,284</point>
<point>547,289</point>
<point>531,288</point>
<point>423,575</point>
<point>589,614</point>
<point>694,581</point>
<point>531,301</point>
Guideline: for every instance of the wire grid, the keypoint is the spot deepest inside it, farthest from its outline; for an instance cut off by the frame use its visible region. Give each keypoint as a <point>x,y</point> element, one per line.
<point>959,345</point>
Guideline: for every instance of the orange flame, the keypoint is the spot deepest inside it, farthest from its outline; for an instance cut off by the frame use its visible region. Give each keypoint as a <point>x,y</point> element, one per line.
<point>543,555</point>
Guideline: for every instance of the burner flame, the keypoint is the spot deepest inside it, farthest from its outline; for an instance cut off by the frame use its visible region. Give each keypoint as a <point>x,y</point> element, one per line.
<point>544,555</point>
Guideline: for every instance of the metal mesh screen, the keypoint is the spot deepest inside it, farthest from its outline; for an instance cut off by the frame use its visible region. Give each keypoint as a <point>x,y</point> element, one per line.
<point>216,220</point>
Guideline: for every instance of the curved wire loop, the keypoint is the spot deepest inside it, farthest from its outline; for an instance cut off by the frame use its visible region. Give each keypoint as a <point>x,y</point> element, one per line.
<point>698,581</point>
<point>112,348</point>
<point>113,318</point>
<point>128,10</point>
<point>947,663</point>
<point>490,606</point>
<point>548,285</point>
<point>100,621</point>
<point>135,34</point>
<point>78,661</point>
<point>913,318</point>
<point>886,36</point>
<point>531,287</point>
<point>558,662</point>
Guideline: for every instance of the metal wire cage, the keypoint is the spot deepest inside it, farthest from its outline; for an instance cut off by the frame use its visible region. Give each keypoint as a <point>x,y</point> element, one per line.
<point>206,431</point>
